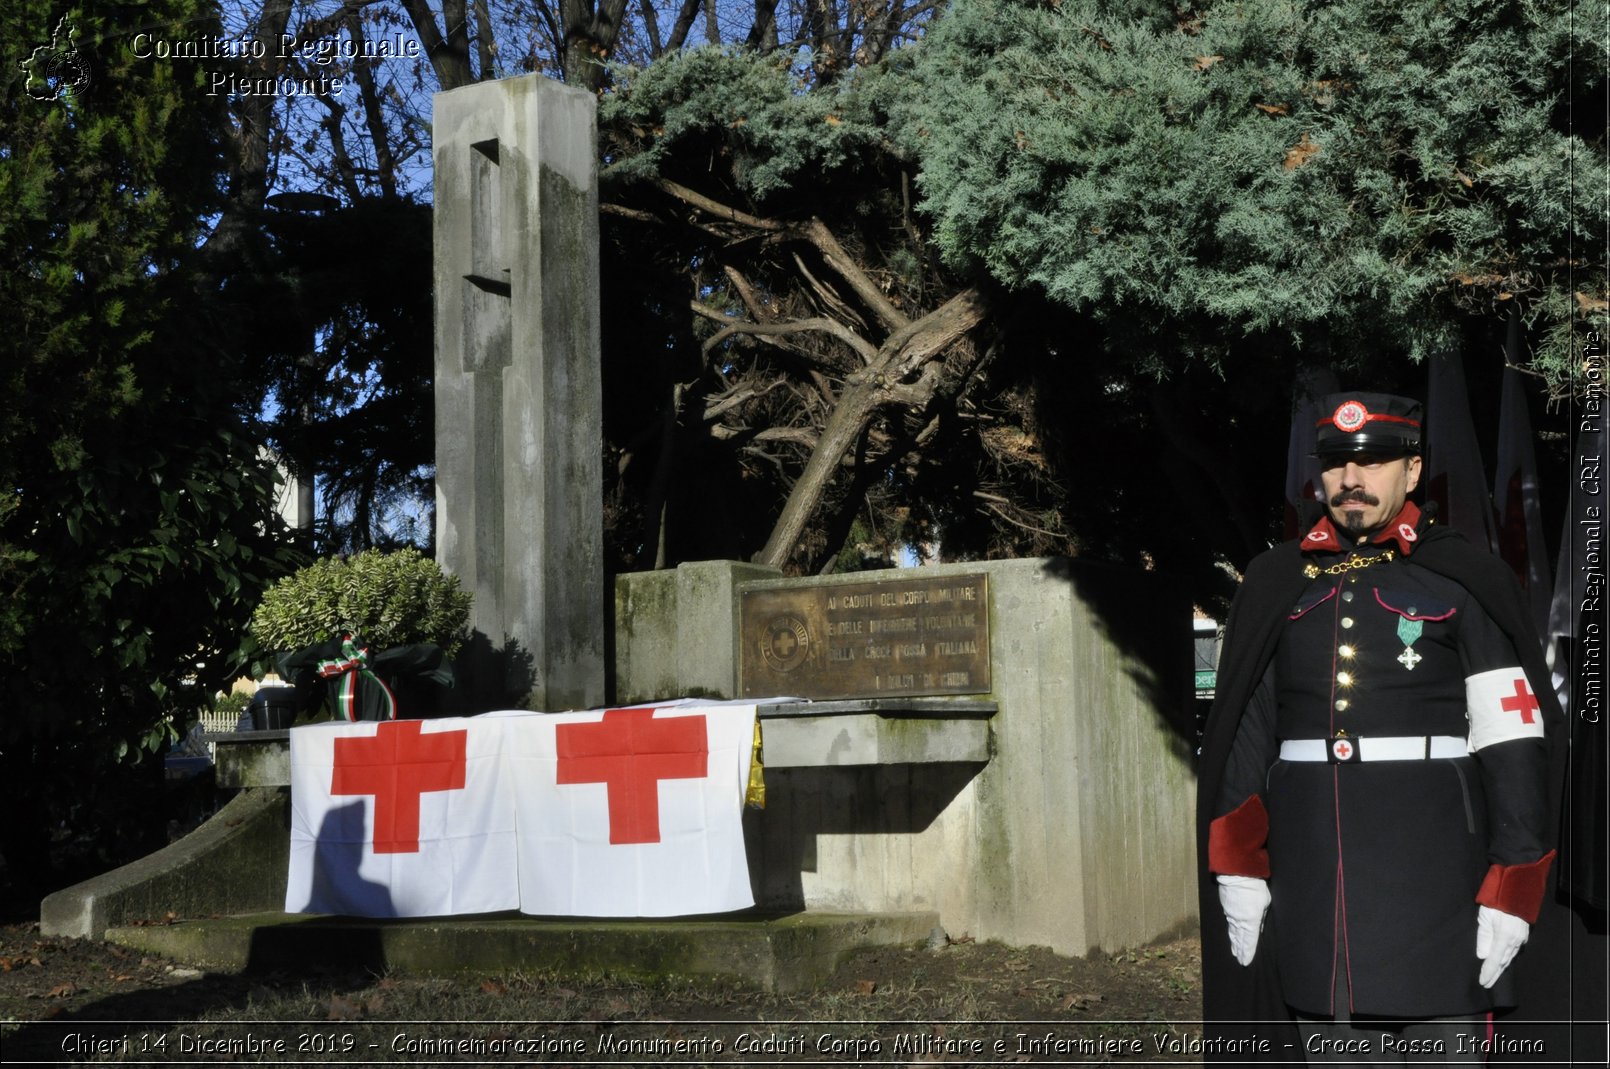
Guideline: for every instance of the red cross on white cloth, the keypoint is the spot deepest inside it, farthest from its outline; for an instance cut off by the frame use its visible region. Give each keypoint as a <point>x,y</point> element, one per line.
<point>635,812</point>
<point>1502,707</point>
<point>395,766</point>
<point>1523,701</point>
<point>617,813</point>
<point>400,818</point>
<point>630,752</point>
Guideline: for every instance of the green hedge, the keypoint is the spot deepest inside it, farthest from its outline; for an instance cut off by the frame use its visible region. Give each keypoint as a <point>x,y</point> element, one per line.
<point>388,599</point>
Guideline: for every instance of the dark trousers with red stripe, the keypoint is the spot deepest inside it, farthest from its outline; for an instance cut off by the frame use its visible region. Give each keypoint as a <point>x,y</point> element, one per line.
<point>1349,1040</point>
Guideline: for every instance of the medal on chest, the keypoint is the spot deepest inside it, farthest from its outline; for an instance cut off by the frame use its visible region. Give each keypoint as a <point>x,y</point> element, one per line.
<point>1408,631</point>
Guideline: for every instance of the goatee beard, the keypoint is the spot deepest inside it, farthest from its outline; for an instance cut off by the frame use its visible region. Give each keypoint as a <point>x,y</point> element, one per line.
<point>1353,518</point>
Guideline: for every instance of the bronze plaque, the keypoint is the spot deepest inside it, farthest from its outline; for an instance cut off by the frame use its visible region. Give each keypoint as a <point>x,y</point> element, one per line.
<point>887,637</point>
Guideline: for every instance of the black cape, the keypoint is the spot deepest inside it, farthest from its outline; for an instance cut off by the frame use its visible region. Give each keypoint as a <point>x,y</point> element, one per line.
<point>1242,1003</point>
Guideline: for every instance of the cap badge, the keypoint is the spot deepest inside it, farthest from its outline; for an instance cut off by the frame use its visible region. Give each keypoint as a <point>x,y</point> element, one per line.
<point>1350,416</point>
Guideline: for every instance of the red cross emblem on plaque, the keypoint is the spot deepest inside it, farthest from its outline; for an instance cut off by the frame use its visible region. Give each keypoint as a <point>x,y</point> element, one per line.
<point>396,765</point>
<point>1523,701</point>
<point>629,751</point>
<point>1342,749</point>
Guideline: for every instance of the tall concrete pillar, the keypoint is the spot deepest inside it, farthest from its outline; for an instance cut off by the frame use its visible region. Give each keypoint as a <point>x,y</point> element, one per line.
<point>518,413</point>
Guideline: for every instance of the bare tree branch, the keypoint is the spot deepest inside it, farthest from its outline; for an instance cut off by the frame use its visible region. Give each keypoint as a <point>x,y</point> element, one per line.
<point>817,233</point>
<point>683,23</point>
<point>746,293</point>
<point>798,435</point>
<point>374,120</point>
<point>995,503</point>
<point>635,214</point>
<point>451,64</point>
<point>819,324</point>
<point>716,407</point>
<point>763,34</point>
<point>320,28</point>
<point>486,47</point>
<point>651,24</point>
<point>864,392</point>
<point>713,207</point>
<point>825,294</point>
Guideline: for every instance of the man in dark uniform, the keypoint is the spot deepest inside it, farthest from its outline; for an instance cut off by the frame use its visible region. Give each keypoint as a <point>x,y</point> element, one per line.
<point>1375,776</point>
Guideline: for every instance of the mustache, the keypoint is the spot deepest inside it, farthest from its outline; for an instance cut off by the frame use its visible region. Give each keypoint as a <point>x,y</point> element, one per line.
<point>1362,497</point>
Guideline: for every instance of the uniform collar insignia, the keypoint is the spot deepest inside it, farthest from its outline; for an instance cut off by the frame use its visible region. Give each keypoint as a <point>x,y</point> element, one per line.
<point>1322,538</point>
<point>1402,531</point>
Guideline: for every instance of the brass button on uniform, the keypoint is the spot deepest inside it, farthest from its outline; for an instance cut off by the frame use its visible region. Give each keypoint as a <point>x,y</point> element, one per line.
<point>1347,621</point>
<point>1341,705</point>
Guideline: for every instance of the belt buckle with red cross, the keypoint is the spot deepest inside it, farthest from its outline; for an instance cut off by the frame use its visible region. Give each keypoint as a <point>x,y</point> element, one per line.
<point>1343,750</point>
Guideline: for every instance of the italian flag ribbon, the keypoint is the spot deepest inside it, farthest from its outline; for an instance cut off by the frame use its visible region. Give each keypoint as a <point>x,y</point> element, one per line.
<point>351,667</point>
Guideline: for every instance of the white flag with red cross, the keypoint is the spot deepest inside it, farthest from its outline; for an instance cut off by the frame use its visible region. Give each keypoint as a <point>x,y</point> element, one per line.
<point>401,818</point>
<point>633,812</point>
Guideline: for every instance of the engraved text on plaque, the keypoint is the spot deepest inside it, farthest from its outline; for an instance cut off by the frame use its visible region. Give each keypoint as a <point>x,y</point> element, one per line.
<point>885,638</point>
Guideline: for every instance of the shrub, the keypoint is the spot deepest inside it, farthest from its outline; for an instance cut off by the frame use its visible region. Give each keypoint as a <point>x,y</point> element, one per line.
<point>232,704</point>
<point>387,599</point>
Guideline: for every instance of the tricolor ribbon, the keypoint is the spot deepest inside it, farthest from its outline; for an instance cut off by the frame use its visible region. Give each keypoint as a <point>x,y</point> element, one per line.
<point>351,666</point>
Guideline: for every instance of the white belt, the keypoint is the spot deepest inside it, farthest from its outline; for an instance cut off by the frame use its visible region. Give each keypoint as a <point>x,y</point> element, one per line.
<point>1376,748</point>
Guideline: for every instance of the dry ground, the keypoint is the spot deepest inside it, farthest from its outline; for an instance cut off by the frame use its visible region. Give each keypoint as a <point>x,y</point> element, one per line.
<point>959,1003</point>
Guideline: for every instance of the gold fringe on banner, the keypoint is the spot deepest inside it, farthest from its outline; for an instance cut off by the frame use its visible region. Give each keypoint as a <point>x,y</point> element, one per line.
<point>755,792</point>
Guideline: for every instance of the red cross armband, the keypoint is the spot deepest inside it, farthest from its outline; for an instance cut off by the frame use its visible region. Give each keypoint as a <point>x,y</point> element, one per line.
<point>1236,841</point>
<point>1501,707</point>
<point>1517,889</point>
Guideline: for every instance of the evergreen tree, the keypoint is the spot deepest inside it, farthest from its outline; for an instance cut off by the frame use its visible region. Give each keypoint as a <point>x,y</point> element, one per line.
<point>1342,177</point>
<point>137,520</point>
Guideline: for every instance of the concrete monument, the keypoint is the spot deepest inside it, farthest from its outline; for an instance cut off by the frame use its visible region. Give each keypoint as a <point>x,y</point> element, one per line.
<point>518,416</point>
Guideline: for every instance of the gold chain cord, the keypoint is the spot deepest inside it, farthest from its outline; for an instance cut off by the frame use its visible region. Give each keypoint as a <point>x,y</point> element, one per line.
<point>1313,571</point>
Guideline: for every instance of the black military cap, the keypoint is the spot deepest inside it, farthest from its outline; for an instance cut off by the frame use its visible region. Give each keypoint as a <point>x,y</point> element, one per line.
<point>1377,423</point>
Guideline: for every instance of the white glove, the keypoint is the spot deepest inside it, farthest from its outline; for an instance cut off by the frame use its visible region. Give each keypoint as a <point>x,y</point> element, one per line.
<point>1499,937</point>
<point>1245,900</point>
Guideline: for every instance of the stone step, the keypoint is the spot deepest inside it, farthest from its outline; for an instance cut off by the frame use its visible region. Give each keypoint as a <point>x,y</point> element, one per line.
<point>779,953</point>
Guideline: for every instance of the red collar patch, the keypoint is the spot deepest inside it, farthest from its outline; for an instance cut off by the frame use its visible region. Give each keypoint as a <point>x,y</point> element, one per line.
<point>1403,530</point>
<point>1323,538</point>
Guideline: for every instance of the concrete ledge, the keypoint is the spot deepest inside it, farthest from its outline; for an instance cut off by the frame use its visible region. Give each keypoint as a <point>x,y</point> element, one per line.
<point>800,734</point>
<point>917,708</point>
<point>774,953</point>
<point>234,862</point>
<point>252,758</point>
